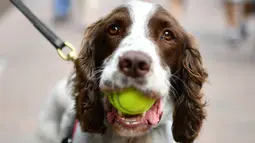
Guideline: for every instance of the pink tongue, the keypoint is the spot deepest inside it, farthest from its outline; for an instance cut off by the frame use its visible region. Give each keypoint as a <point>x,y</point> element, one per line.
<point>154,114</point>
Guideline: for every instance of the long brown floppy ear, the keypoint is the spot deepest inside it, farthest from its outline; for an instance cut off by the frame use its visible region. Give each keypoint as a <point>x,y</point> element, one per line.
<point>89,109</point>
<point>187,81</point>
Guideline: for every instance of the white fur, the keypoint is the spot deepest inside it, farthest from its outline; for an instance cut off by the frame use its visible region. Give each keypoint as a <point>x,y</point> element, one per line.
<point>56,116</point>
<point>138,40</point>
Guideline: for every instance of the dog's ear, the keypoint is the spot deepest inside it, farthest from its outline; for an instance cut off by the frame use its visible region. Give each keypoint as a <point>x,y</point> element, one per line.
<point>89,109</point>
<point>188,80</point>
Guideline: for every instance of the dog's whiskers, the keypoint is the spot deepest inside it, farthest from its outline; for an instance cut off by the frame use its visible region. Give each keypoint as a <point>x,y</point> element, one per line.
<point>95,73</point>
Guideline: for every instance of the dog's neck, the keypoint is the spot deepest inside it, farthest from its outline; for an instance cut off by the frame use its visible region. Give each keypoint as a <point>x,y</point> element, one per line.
<point>147,138</point>
<point>160,134</point>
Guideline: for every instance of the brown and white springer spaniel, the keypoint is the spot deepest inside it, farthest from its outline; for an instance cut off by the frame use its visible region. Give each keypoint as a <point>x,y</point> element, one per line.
<point>137,45</point>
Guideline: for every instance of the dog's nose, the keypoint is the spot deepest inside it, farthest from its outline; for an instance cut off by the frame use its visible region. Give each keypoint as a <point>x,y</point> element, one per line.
<point>135,64</point>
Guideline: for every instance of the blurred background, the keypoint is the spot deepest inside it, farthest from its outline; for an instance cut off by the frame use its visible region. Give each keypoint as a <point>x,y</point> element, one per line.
<point>30,66</point>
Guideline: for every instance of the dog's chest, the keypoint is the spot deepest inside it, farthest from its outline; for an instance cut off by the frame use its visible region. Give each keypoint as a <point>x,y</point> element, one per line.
<point>159,135</point>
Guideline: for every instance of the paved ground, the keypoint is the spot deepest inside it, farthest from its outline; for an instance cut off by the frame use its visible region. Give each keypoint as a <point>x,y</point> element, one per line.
<point>29,67</point>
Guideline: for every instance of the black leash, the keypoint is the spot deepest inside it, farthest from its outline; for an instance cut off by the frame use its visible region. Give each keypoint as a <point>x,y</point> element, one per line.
<point>55,41</point>
<point>46,32</point>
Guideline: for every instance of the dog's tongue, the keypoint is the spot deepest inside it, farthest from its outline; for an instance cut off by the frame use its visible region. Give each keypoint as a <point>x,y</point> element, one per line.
<point>153,115</point>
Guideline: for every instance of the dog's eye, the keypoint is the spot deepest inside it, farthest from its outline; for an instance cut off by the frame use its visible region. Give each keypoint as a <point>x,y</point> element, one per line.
<point>167,35</point>
<point>114,29</point>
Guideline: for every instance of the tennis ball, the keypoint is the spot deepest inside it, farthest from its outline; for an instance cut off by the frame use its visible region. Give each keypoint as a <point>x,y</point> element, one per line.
<point>130,101</point>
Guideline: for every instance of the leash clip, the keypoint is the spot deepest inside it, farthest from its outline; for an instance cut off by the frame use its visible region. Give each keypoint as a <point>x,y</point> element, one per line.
<point>71,55</point>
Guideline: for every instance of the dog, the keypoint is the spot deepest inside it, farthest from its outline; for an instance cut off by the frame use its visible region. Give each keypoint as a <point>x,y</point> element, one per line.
<point>138,45</point>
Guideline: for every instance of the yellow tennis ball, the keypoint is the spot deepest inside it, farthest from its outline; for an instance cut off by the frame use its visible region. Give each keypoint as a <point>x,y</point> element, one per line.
<point>130,101</point>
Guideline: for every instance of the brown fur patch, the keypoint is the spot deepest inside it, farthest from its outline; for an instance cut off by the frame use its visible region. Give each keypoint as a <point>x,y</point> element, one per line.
<point>188,75</point>
<point>96,47</point>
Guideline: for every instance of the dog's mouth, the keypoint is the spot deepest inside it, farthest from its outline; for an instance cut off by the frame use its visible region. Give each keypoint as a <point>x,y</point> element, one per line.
<point>145,120</point>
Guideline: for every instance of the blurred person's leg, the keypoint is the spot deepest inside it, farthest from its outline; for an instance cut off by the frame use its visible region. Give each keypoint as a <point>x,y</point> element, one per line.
<point>248,9</point>
<point>61,9</point>
<point>236,19</point>
<point>176,8</point>
<point>231,9</point>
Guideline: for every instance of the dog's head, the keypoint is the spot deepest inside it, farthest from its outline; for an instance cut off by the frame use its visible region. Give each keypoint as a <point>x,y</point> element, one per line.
<point>140,45</point>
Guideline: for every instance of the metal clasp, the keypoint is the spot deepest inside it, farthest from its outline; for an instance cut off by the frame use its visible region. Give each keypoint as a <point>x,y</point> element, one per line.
<point>71,56</point>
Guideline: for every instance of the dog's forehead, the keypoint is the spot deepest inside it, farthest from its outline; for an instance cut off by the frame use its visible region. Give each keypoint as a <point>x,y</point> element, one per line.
<point>139,9</point>
<point>140,12</point>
